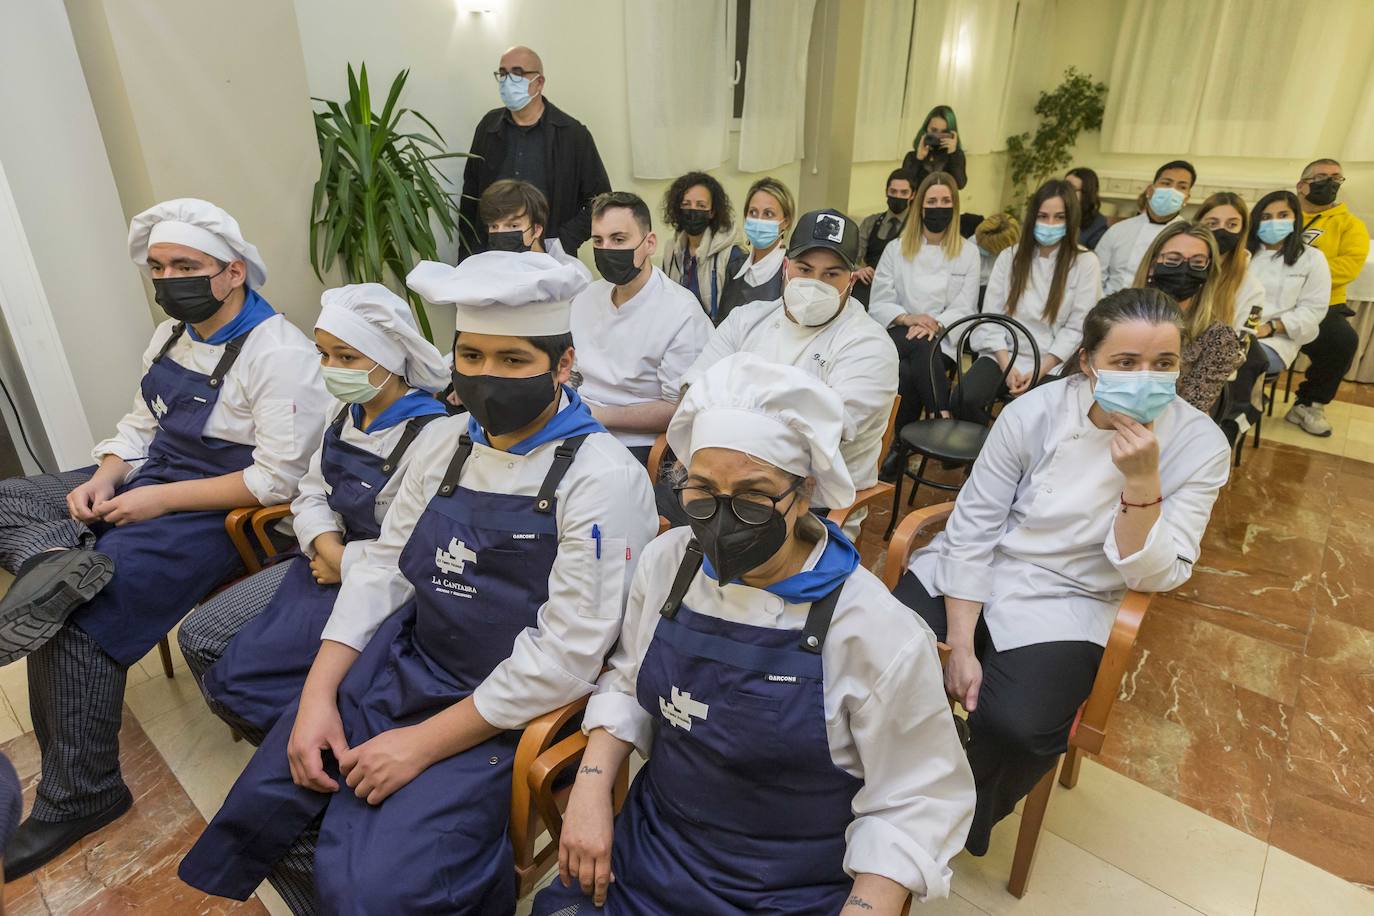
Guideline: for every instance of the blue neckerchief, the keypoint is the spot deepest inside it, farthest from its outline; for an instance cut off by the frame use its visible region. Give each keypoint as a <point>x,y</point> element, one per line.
<point>412,404</point>
<point>837,561</point>
<point>255,311</point>
<point>573,420</point>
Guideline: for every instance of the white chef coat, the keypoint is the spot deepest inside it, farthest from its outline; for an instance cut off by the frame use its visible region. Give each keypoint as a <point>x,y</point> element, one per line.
<point>554,249</point>
<point>273,399</point>
<point>1032,534</point>
<point>1060,339</point>
<point>1297,295</point>
<point>558,661</point>
<point>929,284</point>
<point>851,354</point>
<point>887,718</point>
<point>311,515</point>
<point>636,352</point>
<point>1122,247</point>
<point>757,273</point>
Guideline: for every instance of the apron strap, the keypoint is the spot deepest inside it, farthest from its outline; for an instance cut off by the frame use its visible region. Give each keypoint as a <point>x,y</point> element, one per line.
<point>338,421</point>
<point>413,427</point>
<point>226,362</point>
<point>562,460</point>
<point>172,338</point>
<point>686,572</point>
<point>818,621</point>
<point>455,467</point>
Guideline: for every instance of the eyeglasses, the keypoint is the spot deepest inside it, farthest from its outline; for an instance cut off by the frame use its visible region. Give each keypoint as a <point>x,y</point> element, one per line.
<point>517,72</point>
<point>1338,179</point>
<point>1173,259</point>
<point>751,507</point>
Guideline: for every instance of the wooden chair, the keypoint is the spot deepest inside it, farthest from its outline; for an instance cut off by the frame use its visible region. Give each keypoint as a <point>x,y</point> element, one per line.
<point>656,454</point>
<point>1090,725</point>
<point>874,495</point>
<point>263,520</point>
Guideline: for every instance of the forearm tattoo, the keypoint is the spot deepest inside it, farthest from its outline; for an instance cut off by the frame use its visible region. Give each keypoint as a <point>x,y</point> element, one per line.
<point>591,771</point>
<point>858,903</point>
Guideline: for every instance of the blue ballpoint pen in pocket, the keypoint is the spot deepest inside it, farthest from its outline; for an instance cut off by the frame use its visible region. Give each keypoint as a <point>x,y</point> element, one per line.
<point>596,536</point>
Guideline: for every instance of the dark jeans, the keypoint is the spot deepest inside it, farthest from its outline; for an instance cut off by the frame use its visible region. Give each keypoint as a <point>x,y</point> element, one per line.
<point>1025,709</point>
<point>914,382</point>
<point>981,385</point>
<point>1331,354</point>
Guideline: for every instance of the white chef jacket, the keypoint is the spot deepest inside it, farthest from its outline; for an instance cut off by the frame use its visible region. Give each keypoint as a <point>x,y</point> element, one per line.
<point>1297,295</point>
<point>272,399</point>
<point>558,661</point>
<point>1122,247</point>
<point>311,515</point>
<point>554,249</point>
<point>929,284</point>
<point>887,718</point>
<point>852,354</point>
<point>1060,339</point>
<point>757,273</point>
<point>638,351</point>
<point>1032,534</point>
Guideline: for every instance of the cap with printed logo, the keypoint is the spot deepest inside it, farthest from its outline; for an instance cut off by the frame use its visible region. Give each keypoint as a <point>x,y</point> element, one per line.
<point>826,229</point>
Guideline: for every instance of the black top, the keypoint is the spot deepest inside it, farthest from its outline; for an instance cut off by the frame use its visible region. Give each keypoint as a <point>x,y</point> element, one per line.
<point>524,153</point>
<point>953,164</point>
<point>1092,231</point>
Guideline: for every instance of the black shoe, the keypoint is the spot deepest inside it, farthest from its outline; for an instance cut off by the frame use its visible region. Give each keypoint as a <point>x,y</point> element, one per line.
<point>36,843</point>
<point>39,601</point>
<point>891,469</point>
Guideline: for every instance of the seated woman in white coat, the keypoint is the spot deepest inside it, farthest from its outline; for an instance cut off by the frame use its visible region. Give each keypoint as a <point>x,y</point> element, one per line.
<point>251,645</point>
<point>1087,486</point>
<point>1048,282</point>
<point>801,755</point>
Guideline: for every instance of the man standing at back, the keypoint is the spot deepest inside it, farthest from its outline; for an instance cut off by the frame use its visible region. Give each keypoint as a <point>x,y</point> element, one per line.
<point>531,139</point>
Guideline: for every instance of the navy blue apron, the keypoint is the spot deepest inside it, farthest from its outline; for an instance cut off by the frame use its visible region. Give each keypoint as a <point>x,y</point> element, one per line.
<point>740,808</point>
<point>165,565</point>
<point>480,564</point>
<point>264,666</point>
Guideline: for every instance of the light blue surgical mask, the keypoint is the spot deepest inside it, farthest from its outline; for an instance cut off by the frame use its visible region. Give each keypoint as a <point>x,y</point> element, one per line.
<point>1273,231</point>
<point>352,386</point>
<point>762,232</point>
<point>1050,233</point>
<point>1166,201</point>
<point>1141,396</point>
<point>515,91</point>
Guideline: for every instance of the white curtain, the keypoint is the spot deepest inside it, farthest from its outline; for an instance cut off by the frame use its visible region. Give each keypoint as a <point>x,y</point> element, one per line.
<point>882,80</point>
<point>679,66</point>
<point>773,120</point>
<point>959,58</point>
<point>1359,145</point>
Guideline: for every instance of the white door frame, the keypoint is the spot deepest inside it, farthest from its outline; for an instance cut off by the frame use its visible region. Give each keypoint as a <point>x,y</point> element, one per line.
<point>24,304</point>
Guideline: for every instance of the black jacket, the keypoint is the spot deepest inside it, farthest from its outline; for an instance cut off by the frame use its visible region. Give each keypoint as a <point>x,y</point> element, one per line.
<point>573,165</point>
<point>951,164</point>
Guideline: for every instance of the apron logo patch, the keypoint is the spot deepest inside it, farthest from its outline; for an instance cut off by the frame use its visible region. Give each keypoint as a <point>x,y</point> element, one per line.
<point>681,710</point>
<point>455,558</point>
<point>783,678</point>
<point>159,407</point>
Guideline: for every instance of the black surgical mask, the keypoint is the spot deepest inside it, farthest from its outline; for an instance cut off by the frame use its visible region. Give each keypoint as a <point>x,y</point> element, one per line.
<point>693,222</point>
<point>735,548</point>
<point>937,219</point>
<point>509,240</point>
<point>898,205</point>
<point>1322,192</point>
<point>1182,281</point>
<point>1226,240</point>
<point>188,299</point>
<point>501,405</point>
<point>617,264</point>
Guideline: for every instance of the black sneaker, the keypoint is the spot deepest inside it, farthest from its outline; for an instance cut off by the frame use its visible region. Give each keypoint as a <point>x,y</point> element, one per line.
<point>40,600</point>
<point>36,843</point>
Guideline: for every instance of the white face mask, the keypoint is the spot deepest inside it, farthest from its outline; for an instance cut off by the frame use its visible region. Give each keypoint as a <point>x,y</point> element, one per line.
<point>811,303</point>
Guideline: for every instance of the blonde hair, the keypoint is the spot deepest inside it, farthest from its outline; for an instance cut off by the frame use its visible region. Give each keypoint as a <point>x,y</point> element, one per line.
<point>997,233</point>
<point>770,185</point>
<point>1206,309</point>
<point>913,232</point>
<point>1231,267</point>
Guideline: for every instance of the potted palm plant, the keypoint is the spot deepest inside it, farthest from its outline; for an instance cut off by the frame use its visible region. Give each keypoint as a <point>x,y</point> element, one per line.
<point>380,193</point>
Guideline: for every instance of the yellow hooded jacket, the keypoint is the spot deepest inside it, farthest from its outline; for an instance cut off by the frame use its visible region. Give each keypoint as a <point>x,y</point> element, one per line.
<point>1343,238</point>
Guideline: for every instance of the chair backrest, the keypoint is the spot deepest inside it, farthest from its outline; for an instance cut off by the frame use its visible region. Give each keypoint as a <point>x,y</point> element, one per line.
<point>969,323</point>
<point>904,540</point>
<point>891,430</point>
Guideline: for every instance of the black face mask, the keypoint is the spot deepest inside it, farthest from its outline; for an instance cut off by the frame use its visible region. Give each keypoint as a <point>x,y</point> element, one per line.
<point>509,240</point>
<point>937,219</point>
<point>188,299</point>
<point>693,222</point>
<point>1322,192</point>
<point>1226,240</point>
<point>735,548</point>
<point>1182,281</point>
<point>617,264</point>
<point>501,405</point>
<point>898,205</point>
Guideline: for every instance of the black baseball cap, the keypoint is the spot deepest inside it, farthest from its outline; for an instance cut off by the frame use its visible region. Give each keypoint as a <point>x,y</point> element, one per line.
<point>826,229</point>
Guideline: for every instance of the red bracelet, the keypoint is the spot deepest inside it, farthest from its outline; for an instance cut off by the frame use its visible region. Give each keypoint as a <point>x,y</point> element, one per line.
<point>1153,502</point>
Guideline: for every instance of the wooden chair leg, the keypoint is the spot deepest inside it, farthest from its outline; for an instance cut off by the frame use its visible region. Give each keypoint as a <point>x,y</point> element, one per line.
<point>1032,817</point>
<point>1068,771</point>
<point>164,649</point>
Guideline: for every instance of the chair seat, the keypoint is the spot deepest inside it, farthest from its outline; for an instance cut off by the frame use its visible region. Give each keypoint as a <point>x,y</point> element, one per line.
<point>945,439</point>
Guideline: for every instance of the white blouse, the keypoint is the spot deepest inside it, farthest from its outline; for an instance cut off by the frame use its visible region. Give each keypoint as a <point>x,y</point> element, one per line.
<point>1297,295</point>
<point>1032,536</point>
<point>887,719</point>
<point>757,273</point>
<point>1060,338</point>
<point>929,284</point>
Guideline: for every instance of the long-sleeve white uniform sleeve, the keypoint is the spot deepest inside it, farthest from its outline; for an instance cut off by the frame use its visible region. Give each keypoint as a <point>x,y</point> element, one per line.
<point>288,402</point>
<point>1078,301</point>
<point>135,431</point>
<point>884,304</point>
<point>727,338</point>
<point>963,294</point>
<point>1301,322</point>
<point>682,352</point>
<point>311,515</point>
<point>865,378</point>
<point>559,660</point>
<point>987,339</point>
<point>1110,250</point>
<point>614,706</point>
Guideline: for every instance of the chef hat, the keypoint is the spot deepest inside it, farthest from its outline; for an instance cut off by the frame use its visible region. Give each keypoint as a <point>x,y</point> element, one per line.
<point>515,293</point>
<point>377,323</point>
<point>779,414</point>
<point>196,224</point>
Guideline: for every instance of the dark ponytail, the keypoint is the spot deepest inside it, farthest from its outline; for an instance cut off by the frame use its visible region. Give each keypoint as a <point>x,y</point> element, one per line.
<point>1148,305</point>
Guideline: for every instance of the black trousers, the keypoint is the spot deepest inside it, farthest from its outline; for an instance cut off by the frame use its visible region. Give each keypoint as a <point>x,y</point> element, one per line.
<point>1331,354</point>
<point>1025,709</point>
<point>914,384</point>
